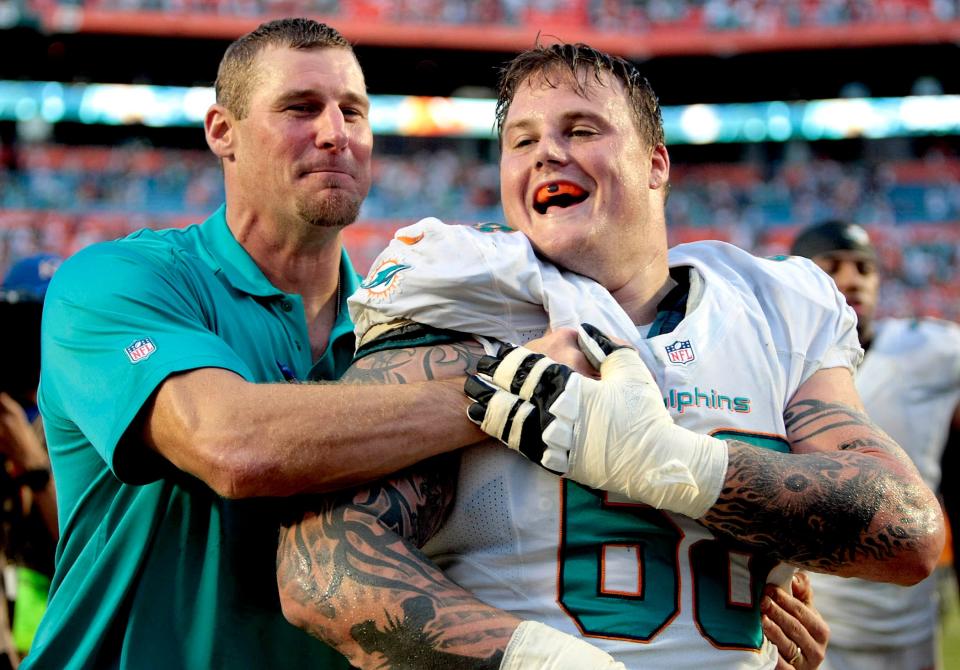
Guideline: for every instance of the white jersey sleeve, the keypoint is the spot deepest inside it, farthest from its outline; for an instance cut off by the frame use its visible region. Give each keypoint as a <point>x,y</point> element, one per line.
<point>807,318</point>
<point>484,280</point>
<point>827,326</point>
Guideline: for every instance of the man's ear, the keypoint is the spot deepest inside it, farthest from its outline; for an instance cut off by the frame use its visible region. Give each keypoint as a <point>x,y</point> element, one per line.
<point>659,167</point>
<point>218,126</point>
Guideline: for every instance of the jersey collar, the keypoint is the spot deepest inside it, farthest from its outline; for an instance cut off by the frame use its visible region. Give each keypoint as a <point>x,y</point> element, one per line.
<point>673,308</point>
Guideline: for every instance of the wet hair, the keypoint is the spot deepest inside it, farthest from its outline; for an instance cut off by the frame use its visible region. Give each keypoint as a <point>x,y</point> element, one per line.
<point>237,73</point>
<point>558,61</point>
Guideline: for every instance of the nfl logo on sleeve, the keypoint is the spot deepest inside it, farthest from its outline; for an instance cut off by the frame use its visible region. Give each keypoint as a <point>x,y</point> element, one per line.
<point>680,352</point>
<point>140,349</point>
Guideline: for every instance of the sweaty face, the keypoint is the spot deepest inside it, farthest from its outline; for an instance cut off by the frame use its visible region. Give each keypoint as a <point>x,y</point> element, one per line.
<point>575,176</point>
<point>856,275</point>
<point>303,150</point>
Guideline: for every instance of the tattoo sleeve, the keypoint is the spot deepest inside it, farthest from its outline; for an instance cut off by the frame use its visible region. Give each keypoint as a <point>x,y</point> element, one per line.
<point>403,366</point>
<point>850,510</point>
<point>350,570</point>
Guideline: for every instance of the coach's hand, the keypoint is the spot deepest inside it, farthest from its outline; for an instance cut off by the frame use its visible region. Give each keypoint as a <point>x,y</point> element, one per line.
<point>613,434</point>
<point>562,346</point>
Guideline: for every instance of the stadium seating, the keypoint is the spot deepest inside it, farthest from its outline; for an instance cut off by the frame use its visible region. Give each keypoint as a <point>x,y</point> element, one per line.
<point>63,198</point>
<point>617,15</point>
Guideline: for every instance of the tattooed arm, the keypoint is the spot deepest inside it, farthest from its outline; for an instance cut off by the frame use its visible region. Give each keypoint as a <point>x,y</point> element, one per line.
<point>847,501</point>
<point>350,571</point>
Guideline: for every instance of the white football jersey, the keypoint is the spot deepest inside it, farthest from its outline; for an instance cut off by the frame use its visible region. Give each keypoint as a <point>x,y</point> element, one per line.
<point>910,385</point>
<point>654,589</point>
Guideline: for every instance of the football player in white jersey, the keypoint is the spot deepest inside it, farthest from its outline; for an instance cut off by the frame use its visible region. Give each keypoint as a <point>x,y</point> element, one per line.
<point>910,383</point>
<point>747,446</point>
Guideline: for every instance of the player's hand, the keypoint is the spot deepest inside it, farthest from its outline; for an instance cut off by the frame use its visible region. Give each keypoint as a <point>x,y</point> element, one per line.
<point>793,624</point>
<point>18,441</point>
<point>613,434</point>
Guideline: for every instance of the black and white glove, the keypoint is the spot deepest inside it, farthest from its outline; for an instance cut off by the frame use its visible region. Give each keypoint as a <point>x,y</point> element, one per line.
<point>613,434</point>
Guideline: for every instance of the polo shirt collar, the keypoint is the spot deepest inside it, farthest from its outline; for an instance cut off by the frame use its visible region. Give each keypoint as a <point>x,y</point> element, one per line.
<point>245,275</point>
<point>232,259</point>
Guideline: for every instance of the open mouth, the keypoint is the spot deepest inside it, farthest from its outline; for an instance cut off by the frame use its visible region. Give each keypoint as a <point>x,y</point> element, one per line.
<point>558,194</point>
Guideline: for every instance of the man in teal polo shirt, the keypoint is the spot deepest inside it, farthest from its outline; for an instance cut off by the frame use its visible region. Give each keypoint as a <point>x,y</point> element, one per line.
<point>172,434</point>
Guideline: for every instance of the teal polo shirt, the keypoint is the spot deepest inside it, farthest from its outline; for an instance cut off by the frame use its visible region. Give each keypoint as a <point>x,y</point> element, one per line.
<point>153,569</point>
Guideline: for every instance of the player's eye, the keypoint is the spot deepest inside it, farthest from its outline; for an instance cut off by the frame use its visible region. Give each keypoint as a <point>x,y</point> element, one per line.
<point>300,108</point>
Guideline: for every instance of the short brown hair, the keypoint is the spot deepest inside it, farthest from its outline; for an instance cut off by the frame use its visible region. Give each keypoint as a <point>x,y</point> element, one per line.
<point>571,59</point>
<point>236,74</point>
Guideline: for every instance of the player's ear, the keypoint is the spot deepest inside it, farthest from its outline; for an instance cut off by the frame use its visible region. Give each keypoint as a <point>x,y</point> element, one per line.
<point>659,167</point>
<point>219,126</point>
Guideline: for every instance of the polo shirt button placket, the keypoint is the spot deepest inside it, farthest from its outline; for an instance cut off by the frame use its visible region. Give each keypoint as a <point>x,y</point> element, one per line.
<point>286,305</point>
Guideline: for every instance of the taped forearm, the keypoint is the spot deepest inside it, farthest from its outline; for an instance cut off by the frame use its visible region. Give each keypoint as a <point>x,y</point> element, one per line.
<point>669,467</point>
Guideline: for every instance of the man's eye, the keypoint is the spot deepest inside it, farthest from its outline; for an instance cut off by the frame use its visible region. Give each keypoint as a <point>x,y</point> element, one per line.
<point>301,108</point>
<point>522,142</point>
<point>351,112</point>
<point>582,132</point>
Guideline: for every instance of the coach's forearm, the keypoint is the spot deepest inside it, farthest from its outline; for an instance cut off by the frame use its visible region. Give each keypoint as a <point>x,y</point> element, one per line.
<point>247,440</point>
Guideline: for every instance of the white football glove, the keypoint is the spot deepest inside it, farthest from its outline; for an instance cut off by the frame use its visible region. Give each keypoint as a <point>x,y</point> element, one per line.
<point>614,434</point>
<point>536,645</point>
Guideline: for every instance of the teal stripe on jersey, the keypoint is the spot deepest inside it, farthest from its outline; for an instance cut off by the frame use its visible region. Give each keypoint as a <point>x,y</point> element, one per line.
<point>409,336</point>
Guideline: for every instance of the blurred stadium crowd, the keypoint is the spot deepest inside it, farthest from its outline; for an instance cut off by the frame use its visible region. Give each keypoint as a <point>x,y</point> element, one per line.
<point>619,15</point>
<point>58,198</point>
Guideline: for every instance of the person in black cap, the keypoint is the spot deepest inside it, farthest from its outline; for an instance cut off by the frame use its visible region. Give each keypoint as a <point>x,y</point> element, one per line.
<point>910,385</point>
<point>844,251</point>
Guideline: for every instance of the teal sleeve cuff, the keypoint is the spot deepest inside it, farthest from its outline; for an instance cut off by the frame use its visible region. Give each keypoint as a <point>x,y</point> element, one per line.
<point>409,336</point>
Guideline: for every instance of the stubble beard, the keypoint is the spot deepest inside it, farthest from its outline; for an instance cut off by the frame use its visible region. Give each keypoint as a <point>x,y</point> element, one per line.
<point>336,210</point>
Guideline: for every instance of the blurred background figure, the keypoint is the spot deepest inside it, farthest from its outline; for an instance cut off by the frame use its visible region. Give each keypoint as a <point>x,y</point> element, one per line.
<point>28,508</point>
<point>910,385</point>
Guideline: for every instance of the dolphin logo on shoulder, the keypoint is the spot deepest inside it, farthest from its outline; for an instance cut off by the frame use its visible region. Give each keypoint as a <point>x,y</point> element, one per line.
<point>385,278</point>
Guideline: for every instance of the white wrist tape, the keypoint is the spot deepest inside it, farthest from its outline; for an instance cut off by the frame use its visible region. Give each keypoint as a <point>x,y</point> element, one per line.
<point>782,575</point>
<point>680,471</point>
<point>626,442</point>
<point>535,646</point>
